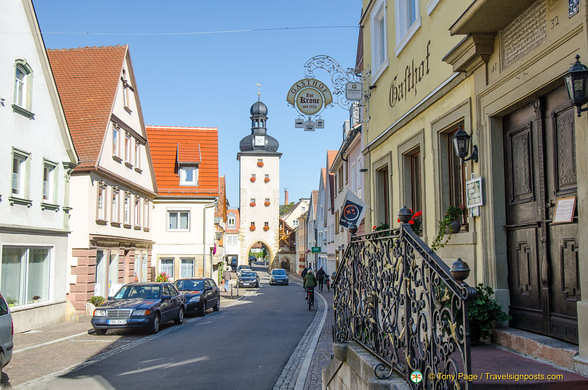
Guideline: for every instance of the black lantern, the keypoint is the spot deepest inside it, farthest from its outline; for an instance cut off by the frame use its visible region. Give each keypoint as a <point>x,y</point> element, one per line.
<point>576,84</point>
<point>461,143</point>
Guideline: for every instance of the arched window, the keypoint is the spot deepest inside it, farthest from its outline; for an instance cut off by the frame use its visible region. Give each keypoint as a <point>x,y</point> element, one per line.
<point>22,87</point>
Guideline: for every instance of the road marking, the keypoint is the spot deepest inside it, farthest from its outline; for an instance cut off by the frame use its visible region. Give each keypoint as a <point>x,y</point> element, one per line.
<point>306,364</point>
<point>50,342</point>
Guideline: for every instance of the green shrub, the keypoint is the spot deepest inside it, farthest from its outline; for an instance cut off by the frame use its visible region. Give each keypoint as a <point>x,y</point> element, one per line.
<point>97,300</point>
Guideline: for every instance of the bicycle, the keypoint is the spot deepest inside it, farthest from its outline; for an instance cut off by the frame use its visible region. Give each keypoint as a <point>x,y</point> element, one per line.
<point>310,297</point>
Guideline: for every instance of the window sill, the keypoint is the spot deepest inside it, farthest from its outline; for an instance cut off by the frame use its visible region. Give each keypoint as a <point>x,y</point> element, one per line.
<point>23,111</point>
<point>146,229</point>
<point>116,158</point>
<point>101,221</point>
<point>137,227</point>
<point>127,109</point>
<point>117,224</point>
<point>139,170</point>
<point>126,225</point>
<point>20,201</point>
<point>49,206</point>
<point>129,165</point>
<point>66,209</point>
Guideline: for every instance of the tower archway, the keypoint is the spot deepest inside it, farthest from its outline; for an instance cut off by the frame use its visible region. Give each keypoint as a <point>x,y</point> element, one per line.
<point>261,250</point>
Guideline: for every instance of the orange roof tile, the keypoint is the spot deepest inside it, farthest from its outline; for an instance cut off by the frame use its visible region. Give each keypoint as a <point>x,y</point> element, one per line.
<point>164,141</point>
<point>331,154</point>
<point>189,153</point>
<point>87,79</point>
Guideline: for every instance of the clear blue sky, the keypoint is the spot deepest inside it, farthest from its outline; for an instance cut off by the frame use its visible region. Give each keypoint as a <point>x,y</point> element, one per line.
<point>210,79</point>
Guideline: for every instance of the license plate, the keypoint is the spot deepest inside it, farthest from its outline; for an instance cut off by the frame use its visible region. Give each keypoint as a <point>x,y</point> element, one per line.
<point>117,322</point>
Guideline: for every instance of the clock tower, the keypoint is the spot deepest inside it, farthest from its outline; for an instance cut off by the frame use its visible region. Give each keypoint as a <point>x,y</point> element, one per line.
<point>259,188</point>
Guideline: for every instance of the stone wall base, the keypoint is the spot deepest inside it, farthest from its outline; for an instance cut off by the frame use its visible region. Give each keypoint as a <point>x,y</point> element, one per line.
<point>352,368</point>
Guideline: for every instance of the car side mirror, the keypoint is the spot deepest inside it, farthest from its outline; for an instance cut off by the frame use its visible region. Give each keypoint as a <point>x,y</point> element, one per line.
<point>164,297</point>
<point>208,288</point>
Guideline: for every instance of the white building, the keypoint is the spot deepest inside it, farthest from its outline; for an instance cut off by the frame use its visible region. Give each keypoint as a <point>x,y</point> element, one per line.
<point>259,187</point>
<point>36,159</point>
<point>185,163</point>
<point>231,239</point>
<point>113,186</point>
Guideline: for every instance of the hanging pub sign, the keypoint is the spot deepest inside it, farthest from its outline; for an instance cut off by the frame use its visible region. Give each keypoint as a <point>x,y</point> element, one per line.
<point>309,96</point>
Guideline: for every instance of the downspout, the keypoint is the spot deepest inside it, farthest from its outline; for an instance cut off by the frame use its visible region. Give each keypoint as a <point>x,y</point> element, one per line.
<point>204,237</point>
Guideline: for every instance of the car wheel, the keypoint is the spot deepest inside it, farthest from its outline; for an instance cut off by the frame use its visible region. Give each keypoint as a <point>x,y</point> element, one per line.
<point>1,368</point>
<point>100,332</point>
<point>217,306</point>
<point>202,309</point>
<point>180,319</point>
<point>257,285</point>
<point>155,326</point>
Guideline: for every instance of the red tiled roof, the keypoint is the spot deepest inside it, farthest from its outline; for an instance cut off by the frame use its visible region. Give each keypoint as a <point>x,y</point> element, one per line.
<point>189,153</point>
<point>164,141</point>
<point>331,154</point>
<point>87,79</point>
<point>237,221</point>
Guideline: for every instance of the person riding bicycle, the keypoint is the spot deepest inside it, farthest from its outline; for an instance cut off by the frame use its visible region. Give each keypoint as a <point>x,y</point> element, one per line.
<point>310,282</point>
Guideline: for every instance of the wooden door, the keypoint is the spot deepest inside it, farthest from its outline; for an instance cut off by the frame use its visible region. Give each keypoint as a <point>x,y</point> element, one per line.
<point>540,168</point>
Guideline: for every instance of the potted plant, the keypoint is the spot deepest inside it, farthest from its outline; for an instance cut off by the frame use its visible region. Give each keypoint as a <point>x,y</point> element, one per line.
<point>252,179</point>
<point>252,227</point>
<point>252,204</point>
<point>97,300</point>
<point>266,204</point>
<point>260,164</point>
<point>162,277</point>
<point>266,180</point>
<point>483,311</point>
<point>265,228</point>
<point>448,225</point>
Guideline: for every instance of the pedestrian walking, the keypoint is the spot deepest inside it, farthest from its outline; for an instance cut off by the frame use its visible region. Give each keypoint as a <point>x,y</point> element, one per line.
<point>303,273</point>
<point>227,277</point>
<point>320,276</point>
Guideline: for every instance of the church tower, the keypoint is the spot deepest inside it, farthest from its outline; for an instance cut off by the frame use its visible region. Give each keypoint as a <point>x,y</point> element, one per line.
<point>259,187</point>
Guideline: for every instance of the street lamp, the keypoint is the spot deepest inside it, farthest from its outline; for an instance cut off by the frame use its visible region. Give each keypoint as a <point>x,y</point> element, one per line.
<point>576,84</point>
<point>461,143</point>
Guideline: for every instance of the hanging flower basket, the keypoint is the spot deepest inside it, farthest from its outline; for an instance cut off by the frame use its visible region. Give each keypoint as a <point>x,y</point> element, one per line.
<point>260,164</point>
<point>252,204</point>
<point>252,179</point>
<point>266,204</point>
<point>266,180</point>
<point>252,227</point>
<point>265,228</point>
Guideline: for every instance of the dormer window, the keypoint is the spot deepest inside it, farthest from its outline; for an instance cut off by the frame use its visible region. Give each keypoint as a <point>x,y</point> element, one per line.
<point>188,176</point>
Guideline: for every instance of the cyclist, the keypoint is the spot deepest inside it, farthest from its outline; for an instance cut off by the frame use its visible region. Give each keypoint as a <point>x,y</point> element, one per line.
<point>310,282</point>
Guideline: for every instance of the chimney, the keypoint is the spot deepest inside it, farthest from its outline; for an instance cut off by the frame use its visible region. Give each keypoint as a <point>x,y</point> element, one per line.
<point>286,196</point>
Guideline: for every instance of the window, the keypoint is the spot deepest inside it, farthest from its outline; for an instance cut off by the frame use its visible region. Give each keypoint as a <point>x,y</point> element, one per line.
<point>101,206</point>
<point>127,209</point>
<point>415,181</point>
<point>455,173</point>
<point>49,186</point>
<point>167,266</point>
<point>22,88</point>
<point>295,223</point>
<point>113,272</point>
<point>231,220</point>
<point>408,21</point>
<point>137,155</point>
<point>126,89</point>
<point>146,214</point>
<point>188,176</point>
<point>25,274</point>
<point>340,179</point>
<point>20,162</point>
<point>115,209</point>
<point>382,197</point>
<point>137,211</point>
<point>115,141</point>
<point>178,220</point>
<point>378,25</point>
<point>187,268</point>
<point>128,148</point>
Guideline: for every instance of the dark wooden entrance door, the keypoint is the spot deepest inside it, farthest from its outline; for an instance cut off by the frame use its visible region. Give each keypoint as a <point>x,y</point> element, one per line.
<point>540,168</point>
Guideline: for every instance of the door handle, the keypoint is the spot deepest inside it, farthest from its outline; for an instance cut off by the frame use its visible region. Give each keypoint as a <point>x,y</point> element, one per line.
<point>549,204</point>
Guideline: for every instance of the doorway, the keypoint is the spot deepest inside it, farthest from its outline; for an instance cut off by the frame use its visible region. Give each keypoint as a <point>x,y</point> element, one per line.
<point>540,169</point>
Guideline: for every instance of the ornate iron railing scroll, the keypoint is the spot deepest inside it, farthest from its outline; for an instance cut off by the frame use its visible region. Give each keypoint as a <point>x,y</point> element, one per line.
<point>397,298</point>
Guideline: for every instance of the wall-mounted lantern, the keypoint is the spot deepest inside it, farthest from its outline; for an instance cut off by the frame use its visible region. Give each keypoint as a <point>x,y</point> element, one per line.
<point>462,142</point>
<point>576,84</point>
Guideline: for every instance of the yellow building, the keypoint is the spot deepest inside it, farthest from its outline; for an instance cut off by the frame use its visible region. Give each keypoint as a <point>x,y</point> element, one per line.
<point>493,67</point>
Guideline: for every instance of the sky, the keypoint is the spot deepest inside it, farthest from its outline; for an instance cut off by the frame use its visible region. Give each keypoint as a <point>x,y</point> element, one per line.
<point>198,63</point>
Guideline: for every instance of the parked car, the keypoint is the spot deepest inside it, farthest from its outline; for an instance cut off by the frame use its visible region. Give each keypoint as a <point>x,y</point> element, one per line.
<point>6,334</point>
<point>201,294</point>
<point>279,276</point>
<point>248,278</point>
<point>241,268</point>
<point>140,305</point>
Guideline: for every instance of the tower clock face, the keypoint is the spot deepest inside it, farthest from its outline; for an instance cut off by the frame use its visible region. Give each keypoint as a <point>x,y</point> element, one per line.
<point>259,140</point>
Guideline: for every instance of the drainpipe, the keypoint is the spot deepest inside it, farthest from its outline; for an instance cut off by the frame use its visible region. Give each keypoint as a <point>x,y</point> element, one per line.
<point>212,204</point>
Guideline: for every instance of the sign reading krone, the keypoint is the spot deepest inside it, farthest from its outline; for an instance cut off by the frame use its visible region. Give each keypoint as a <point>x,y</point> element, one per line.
<point>309,96</point>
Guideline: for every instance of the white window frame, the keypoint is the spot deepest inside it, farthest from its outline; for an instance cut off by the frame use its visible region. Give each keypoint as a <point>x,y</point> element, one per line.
<point>379,34</point>
<point>137,211</point>
<point>231,220</point>
<point>19,180</point>
<point>183,180</point>
<point>116,141</point>
<point>146,214</point>
<point>186,260</point>
<point>127,209</point>
<point>115,206</point>
<point>49,182</point>
<point>23,88</point>
<point>128,141</point>
<point>161,260</point>
<point>137,154</point>
<point>101,208</point>
<point>177,227</point>
<point>404,28</point>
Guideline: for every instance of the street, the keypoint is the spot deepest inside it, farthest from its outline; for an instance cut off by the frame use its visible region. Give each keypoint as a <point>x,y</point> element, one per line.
<point>243,346</point>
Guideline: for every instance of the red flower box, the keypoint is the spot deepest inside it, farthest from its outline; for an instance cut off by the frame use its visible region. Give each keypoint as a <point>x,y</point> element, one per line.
<point>252,204</point>
<point>265,228</point>
<point>260,164</point>
<point>266,204</point>
<point>252,227</point>
<point>266,179</point>
<point>252,179</point>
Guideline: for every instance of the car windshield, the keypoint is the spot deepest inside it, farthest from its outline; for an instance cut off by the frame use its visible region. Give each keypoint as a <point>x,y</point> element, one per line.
<point>279,272</point>
<point>190,285</point>
<point>131,292</point>
<point>248,274</point>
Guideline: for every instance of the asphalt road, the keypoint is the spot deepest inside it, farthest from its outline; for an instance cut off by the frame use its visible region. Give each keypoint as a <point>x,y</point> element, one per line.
<point>244,346</point>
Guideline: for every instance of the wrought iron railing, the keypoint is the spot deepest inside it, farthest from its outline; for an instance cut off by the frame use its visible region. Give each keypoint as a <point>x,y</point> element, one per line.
<point>398,299</point>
